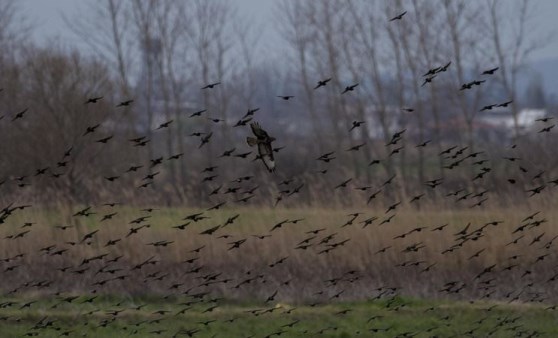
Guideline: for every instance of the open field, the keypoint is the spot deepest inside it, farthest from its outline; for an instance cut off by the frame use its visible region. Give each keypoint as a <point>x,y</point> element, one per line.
<point>361,168</point>
<point>317,256</point>
<point>391,317</point>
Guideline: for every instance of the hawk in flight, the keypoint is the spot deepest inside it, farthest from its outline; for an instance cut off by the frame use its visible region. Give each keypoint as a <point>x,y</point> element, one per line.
<point>263,141</point>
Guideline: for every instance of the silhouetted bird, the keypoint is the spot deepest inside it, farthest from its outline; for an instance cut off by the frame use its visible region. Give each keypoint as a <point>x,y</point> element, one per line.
<point>211,85</point>
<point>205,139</point>
<point>286,97</point>
<point>398,17</point>
<point>93,99</point>
<point>125,103</point>
<point>20,114</point>
<point>349,88</point>
<point>490,71</point>
<point>356,124</point>
<point>322,83</point>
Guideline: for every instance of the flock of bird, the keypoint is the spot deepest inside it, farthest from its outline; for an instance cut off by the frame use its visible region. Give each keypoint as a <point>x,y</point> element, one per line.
<point>201,284</point>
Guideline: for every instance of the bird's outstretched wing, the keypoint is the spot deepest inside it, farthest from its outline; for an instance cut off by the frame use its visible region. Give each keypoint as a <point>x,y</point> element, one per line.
<point>258,131</point>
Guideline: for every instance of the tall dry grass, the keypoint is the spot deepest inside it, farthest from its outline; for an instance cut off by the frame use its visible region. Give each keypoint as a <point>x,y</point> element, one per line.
<point>354,267</point>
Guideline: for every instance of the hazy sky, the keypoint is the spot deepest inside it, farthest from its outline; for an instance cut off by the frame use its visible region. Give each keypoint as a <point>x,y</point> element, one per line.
<point>46,15</point>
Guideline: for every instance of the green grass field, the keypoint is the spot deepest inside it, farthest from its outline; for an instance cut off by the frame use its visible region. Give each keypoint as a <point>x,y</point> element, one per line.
<point>390,317</point>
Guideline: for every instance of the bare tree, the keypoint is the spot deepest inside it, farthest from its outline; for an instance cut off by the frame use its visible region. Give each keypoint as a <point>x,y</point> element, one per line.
<point>465,48</point>
<point>299,35</point>
<point>369,33</point>
<point>512,50</point>
<point>108,33</point>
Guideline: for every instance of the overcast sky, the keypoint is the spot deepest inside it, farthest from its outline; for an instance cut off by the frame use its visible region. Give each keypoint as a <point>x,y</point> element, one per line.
<point>46,16</point>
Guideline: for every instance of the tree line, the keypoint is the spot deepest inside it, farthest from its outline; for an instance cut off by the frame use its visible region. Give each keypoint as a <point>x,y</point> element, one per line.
<point>410,74</point>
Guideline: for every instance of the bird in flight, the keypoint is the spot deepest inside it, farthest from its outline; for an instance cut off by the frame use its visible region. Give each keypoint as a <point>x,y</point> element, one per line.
<point>504,104</point>
<point>285,97</point>
<point>205,139</point>
<point>356,124</point>
<point>211,85</point>
<point>263,141</point>
<point>322,83</point>
<point>93,99</point>
<point>125,103</point>
<point>490,71</point>
<point>398,17</point>
<point>20,114</point>
<point>350,88</point>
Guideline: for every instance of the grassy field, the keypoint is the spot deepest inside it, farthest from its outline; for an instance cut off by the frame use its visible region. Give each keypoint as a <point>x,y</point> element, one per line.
<point>414,251</point>
<point>426,273</point>
<point>390,317</point>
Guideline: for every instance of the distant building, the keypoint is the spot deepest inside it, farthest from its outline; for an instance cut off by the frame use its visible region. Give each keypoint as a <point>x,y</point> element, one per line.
<point>498,124</point>
<point>503,121</point>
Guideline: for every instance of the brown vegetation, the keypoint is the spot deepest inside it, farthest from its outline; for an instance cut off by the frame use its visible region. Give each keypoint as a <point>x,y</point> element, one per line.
<point>356,267</point>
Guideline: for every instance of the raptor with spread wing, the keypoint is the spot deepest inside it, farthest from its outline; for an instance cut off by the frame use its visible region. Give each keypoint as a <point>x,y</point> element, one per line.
<point>263,141</point>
